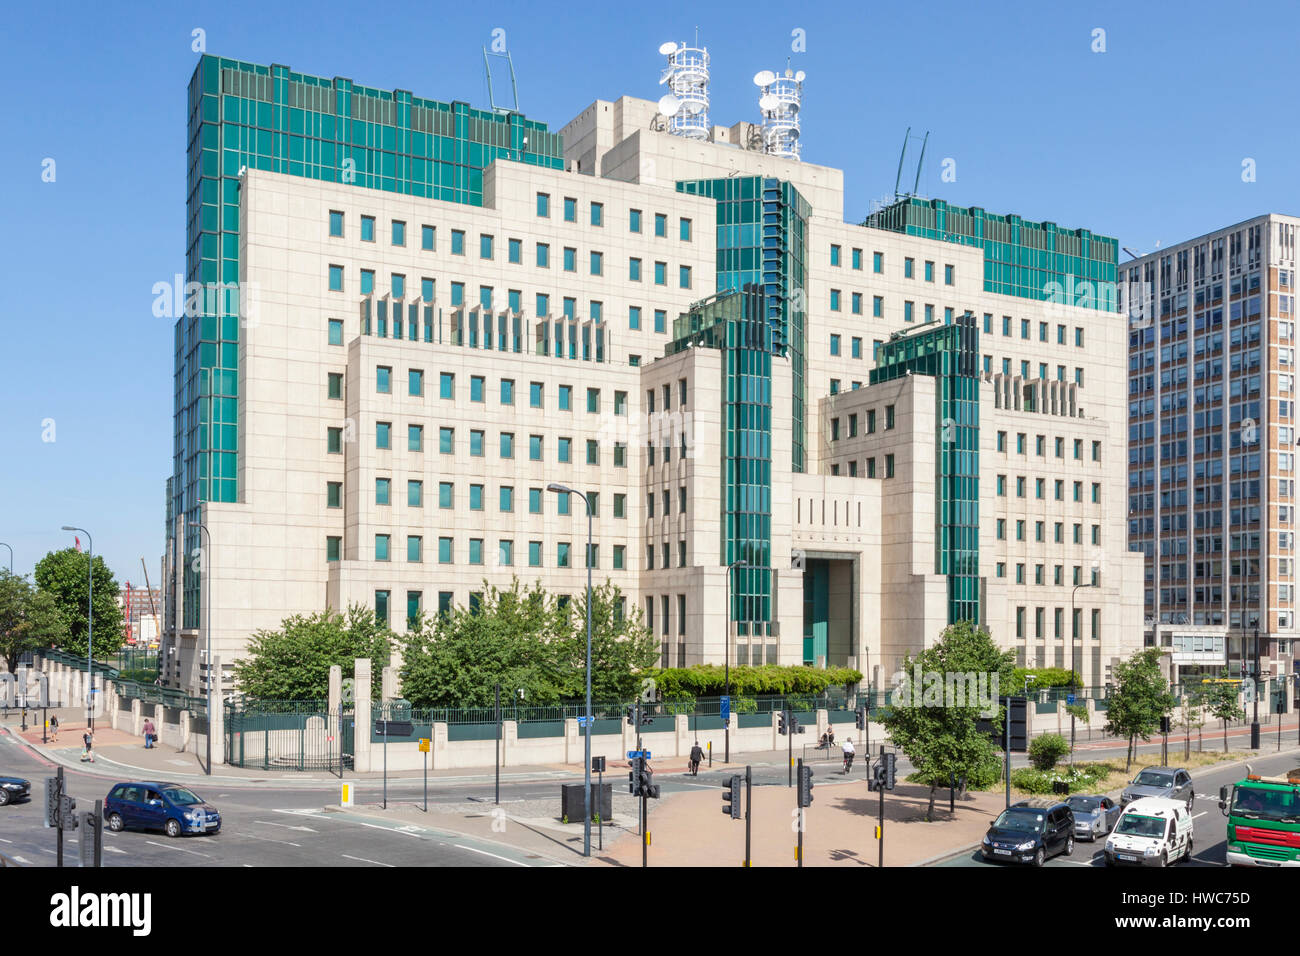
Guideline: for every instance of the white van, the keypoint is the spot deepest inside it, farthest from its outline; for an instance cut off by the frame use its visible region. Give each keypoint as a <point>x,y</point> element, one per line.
<point>1152,831</point>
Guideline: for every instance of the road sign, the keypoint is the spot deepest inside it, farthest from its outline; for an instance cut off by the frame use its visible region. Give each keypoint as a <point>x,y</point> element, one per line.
<point>724,708</point>
<point>424,745</point>
<point>582,720</point>
<point>394,728</point>
<point>1070,700</point>
<point>597,764</point>
<point>633,754</point>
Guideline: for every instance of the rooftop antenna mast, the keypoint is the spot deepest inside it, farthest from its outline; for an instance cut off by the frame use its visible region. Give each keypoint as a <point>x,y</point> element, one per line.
<point>901,154</point>
<point>513,105</point>
<point>916,185</point>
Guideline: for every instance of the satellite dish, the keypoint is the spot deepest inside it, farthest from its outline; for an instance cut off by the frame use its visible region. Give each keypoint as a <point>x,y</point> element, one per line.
<point>669,104</point>
<point>768,102</point>
<point>800,76</point>
<point>667,48</point>
<point>764,78</point>
<point>788,73</point>
<point>793,134</point>
<point>792,108</point>
<point>694,106</point>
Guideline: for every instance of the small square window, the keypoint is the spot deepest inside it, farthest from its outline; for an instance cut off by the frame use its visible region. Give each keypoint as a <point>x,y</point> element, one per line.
<point>336,223</point>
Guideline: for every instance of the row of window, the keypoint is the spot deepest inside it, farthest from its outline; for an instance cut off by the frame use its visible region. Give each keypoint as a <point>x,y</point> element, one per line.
<point>446,602</point>
<point>428,286</point>
<point>1040,489</point>
<point>505,498</point>
<point>478,388</point>
<point>477,444</point>
<point>1058,576</point>
<point>1040,446</point>
<point>597,217</point>
<point>871,423</point>
<point>1040,529</point>
<point>476,551</point>
<point>878,264</point>
<point>852,472</point>
<point>1059,614</point>
<point>1044,330</point>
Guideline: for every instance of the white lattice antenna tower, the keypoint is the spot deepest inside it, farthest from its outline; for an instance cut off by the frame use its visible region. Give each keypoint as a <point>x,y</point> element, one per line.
<point>685,106</point>
<point>779,101</point>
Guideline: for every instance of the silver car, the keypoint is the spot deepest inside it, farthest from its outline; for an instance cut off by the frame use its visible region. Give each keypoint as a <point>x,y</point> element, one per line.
<point>1094,817</point>
<point>1166,782</point>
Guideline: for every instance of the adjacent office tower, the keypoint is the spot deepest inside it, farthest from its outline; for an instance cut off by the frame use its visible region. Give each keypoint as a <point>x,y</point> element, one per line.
<point>1212,445</point>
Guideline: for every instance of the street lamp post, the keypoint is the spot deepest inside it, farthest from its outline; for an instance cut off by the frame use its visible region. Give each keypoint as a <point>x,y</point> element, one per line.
<point>1254,724</point>
<point>11,555</point>
<point>90,628</point>
<point>1073,640</point>
<point>586,770</point>
<point>206,584</point>
<point>726,667</point>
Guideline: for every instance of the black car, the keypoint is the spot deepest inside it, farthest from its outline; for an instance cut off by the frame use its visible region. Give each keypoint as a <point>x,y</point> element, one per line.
<point>14,789</point>
<point>1030,832</point>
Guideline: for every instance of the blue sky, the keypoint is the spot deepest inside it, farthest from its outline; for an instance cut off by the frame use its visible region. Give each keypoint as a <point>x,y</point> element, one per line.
<point>1144,142</point>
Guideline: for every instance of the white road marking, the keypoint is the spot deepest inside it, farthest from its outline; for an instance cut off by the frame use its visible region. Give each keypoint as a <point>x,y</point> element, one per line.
<point>1201,814</point>
<point>3,840</point>
<point>179,763</point>
<point>364,860</point>
<point>23,860</point>
<point>113,849</point>
<point>168,846</point>
<point>267,839</point>
<point>50,852</point>
<point>287,826</point>
<point>486,853</point>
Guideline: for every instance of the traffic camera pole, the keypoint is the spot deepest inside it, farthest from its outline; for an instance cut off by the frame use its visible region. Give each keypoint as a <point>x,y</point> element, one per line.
<point>749,811</point>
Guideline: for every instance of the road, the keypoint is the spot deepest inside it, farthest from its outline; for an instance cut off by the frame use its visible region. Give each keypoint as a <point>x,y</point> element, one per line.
<point>260,827</point>
<point>1208,823</point>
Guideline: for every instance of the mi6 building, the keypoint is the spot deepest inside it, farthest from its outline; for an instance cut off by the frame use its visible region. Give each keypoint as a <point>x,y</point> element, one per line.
<point>802,439</point>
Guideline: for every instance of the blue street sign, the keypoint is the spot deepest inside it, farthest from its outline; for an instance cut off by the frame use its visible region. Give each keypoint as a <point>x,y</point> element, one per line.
<point>724,708</point>
<point>633,754</point>
<point>1070,700</point>
<point>582,721</point>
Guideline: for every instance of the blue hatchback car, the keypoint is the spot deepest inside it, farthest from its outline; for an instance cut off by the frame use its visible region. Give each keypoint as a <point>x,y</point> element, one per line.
<point>170,807</point>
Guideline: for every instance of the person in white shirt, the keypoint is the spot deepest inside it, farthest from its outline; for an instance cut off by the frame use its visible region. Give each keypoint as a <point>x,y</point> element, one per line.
<point>849,754</point>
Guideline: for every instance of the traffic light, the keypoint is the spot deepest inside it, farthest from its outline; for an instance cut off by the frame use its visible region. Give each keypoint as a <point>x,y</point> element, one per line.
<point>634,778</point>
<point>631,716</point>
<point>805,786</point>
<point>890,770</point>
<point>731,797</point>
<point>794,723</point>
<point>68,813</point>
<point>648,789</point>
<point>51,802</point>
<point>861,718</point>
<point>780,723</point>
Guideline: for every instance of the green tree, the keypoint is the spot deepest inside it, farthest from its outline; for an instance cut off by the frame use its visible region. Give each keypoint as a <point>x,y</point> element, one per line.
<point>941,739</point>
<point>29,619</point>
<point>1140,699</point>
<point>526,639</point>
<point>1223,703</point>
<point>64,576</point>
<point>1192,707</point>
<point>293,663</point>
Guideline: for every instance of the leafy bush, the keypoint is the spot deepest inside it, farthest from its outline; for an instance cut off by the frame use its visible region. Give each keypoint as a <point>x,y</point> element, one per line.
<point>1040,678</point>
<point>142,675</point>
<point>709,680</point>
<point>1081,777</point>
<point>1044,751</point>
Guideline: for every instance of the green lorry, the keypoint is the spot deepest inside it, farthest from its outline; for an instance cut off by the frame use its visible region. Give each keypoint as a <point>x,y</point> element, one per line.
<point>1263,819</point>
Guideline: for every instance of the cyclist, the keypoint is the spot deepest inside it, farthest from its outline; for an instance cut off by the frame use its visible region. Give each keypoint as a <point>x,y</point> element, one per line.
<point>849,754</point>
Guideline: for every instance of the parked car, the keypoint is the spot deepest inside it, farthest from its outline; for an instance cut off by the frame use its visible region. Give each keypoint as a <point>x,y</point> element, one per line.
<point>169,807</point>
<point>1094,816</point>
<point>1152,831</point>
<point>1167,783</point>
<point>14,790</point>
<point>1030,832</point>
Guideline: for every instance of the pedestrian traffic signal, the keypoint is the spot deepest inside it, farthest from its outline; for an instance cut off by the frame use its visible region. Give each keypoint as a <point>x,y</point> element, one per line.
<point>861,719</point>
<point>805,786</point>
<point>634,778</point>
<point>67,812</point>
<point>648,789</point>
<point>631,716</point>
<point>794,723</point>
<point>780,723</point>
<point>890,770</point>
<point>731,797</point>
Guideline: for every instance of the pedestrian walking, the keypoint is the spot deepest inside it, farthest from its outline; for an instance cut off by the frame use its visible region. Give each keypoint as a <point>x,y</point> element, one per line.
<point>150,735</point>
<point>88,755</point>
<point>54,726</point>
<point>697,754</point>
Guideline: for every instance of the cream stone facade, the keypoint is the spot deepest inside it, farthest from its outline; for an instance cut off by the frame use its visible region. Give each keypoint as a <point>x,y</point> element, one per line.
<point>403,408</point>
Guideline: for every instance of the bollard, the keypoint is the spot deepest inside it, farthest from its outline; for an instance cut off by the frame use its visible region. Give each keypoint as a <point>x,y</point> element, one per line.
<point>346,797</point>
<point>710,754</point>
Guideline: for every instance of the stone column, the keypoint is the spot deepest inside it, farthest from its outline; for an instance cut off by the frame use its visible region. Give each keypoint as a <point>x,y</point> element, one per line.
<point>510,741</point>
<point>682,738</point>
<point>137,716</point>
<point>573,743</point>
<point>361,705</point>
<point>823,721</point>
<point>438,757</point>
<point>388,684</point>
<point>335,700</point>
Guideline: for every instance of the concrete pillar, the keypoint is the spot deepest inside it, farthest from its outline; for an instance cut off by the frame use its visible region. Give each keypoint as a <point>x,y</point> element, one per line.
<point>185,730</point>
<point>361,695</point>
<point>388,684</point>
<point>137,716</point>
<point>438,748</point>
<point>776,734</point>
<point>573,743</point>
<point>510,741</point>
<point>217,719</point>
<point>823,721</point>
<point>682,738</point>
<point>334,701</point>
